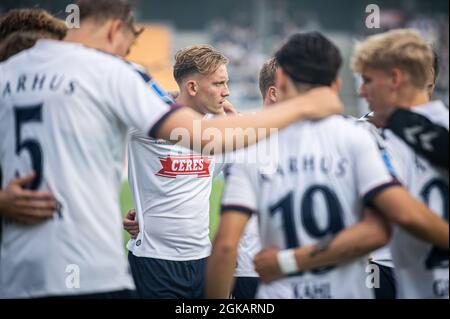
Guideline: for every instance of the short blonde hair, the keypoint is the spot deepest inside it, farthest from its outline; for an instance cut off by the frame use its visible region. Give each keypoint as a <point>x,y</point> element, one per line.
<point>404,49</point>
<point>202,59</point>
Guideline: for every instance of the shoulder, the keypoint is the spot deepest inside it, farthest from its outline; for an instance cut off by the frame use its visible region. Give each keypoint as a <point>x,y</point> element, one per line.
<point>354,134</point>
<point>435,111</point>
<point>99,61</point>
<point>343,125</point>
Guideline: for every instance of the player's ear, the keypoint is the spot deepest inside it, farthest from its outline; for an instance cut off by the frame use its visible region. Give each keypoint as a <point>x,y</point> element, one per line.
<point>336,85</point>
<point>113,28</point>
<point>192,87</point>
<point>273,94</point>
<point>397,77</point>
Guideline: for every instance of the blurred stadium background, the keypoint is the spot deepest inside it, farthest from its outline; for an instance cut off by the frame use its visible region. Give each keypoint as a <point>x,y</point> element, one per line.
<point>249,31</point>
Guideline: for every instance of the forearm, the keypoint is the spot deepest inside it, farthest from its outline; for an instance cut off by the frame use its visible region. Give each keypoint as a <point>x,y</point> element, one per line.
<point>262,123</point>
<point>227,133</point>
<point>220,273</point>
<point>187,128</point>
<point>429,227</point>
<point>413,216</point>
<point>351,243</point>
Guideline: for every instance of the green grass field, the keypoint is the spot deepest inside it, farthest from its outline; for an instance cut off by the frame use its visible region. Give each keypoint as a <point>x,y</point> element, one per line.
<point>126,203</point>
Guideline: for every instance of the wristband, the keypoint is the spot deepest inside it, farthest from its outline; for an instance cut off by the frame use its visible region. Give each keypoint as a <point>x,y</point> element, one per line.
<point>287,262</point>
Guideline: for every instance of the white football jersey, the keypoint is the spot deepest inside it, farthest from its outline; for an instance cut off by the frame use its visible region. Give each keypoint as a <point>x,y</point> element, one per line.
<point>324,172</point>
<point>421,270</point>
<point>171,186</point>
<point>64,112</point>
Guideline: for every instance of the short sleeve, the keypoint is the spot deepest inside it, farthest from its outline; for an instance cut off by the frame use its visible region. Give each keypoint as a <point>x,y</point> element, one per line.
<point>374,171</point>
<point>135,103</point>
<point>240,193</point>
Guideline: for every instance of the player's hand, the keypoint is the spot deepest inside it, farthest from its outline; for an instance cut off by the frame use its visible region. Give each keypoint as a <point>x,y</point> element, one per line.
<point>130,224</point>
<point>174,94</point>
<point>24,206</point>
<point>320,103</point>
<point>228,108</point>
<point>266,265</point>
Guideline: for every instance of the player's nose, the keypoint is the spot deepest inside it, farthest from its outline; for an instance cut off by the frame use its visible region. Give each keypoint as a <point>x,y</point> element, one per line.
<point>362,91</point>
<point>225,91</point>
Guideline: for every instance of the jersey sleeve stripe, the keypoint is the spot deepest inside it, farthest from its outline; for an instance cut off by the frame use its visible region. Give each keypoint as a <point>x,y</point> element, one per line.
<point>154,130</point>
<point>369,196</point>
<point>236,208</point>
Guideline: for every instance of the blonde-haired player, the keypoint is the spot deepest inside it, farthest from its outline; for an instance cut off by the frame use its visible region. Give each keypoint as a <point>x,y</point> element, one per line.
<point>395,67</point>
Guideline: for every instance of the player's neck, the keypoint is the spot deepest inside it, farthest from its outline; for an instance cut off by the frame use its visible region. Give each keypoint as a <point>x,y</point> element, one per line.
<point>86,37</point>
<point>292,93</point>
<point>185,100</point>
<point>267,102</point>
<point>411,98</point>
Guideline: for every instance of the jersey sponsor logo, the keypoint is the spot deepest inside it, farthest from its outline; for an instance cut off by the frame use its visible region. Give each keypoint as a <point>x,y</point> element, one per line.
<point>194,165</point>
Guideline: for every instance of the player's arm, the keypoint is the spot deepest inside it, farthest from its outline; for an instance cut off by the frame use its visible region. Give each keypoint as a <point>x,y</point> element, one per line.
<point>222,262</point>
<point>188,128</point>
<point>401,208</point>
<point>362,238</point>
<point>425,137</point>
<point>238,203</point>
<point>24,206</point>
<point>136,106</point>
<point>390,198</point>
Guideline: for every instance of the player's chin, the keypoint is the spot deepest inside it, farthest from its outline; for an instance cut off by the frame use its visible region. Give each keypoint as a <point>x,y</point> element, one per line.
<point>372,106</point>
<point>218,110</point>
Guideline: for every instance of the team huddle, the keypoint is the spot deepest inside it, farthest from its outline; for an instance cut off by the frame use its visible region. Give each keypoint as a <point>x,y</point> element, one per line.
<point>333,196</point>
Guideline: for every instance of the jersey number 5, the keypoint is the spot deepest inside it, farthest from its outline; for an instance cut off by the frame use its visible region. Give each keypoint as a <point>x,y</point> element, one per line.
<point>24,115</point>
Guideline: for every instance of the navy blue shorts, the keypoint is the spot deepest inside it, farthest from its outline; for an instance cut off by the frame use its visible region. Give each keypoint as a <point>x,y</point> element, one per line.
<point>245,288</point>
<point>120,294</point>
<point>388,289</point>
<point>167,279</point>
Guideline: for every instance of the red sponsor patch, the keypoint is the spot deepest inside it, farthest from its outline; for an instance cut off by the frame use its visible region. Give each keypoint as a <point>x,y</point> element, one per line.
<point>172,166</point>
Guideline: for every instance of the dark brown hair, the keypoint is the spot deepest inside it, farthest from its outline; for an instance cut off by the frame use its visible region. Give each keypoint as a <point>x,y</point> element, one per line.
<point>31,20</point>
<point>19,41</point>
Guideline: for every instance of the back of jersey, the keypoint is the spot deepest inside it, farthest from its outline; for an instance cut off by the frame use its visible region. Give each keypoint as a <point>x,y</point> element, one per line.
<point>324,169</point>
<point>64,115</point>
<point>421,270</point>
